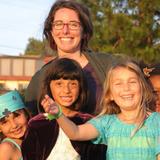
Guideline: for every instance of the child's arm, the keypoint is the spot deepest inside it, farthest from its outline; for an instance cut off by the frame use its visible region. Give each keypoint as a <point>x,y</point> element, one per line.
<point>158,157</point>
<point>5,151</point>
<point>74,132</point>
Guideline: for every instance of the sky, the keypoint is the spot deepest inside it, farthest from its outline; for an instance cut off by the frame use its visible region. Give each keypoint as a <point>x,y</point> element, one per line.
<point>19,21</point>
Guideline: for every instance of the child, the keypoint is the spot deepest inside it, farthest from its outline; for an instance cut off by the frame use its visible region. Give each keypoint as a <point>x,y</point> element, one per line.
<point>65,83</point>
<point>153,73</point>
<point>13,124</point>
<point>125,123</point>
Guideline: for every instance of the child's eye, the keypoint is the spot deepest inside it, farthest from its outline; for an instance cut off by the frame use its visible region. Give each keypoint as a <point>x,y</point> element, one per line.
<point>132,81</point>
<point>58,83</point>
<point>17,115</point>
<point>118,84</point>
<point>74,84</point>
<point>3,122</point>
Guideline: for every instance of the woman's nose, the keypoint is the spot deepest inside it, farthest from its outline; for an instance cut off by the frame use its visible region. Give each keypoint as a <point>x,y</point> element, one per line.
<point>65,29</point>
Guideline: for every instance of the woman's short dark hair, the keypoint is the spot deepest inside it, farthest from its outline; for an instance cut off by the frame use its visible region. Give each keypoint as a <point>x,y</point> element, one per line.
<point>67,69</point>
<point>84,17</point>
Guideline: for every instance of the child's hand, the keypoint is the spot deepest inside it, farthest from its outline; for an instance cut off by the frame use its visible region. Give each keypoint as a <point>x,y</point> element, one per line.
<point>50,106</point>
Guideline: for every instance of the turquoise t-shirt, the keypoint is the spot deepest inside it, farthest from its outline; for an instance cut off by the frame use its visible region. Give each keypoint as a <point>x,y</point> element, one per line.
<point>144,145</point>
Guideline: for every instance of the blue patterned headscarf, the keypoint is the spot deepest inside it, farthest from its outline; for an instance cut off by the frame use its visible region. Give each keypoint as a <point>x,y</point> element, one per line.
<point>10,102</point>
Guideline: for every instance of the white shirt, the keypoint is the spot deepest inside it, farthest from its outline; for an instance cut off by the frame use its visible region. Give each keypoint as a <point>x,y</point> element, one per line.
<point>63,149</point>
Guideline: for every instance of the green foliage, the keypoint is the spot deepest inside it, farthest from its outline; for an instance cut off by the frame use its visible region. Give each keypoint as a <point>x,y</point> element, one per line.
<point>126,26</point>
<point>38,47</point>
<point>34,47</point>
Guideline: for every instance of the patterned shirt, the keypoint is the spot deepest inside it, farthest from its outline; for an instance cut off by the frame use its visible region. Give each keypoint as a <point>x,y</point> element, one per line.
<point>144,145</point>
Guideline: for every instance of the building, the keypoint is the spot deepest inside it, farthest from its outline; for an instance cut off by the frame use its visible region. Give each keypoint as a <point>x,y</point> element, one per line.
<point>17,71</point>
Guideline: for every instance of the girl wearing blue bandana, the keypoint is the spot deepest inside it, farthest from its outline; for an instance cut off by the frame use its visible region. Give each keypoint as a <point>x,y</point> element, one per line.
<point>13,124</point>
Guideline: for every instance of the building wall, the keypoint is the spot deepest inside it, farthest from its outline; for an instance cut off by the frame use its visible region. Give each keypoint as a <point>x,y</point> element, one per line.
<point>16,71</point>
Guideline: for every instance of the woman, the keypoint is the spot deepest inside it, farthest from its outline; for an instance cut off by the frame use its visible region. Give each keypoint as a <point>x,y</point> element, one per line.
<point>68,29</point>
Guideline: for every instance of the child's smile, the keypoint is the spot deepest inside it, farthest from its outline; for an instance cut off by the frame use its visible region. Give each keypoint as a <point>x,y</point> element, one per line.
<point>65,92</point>
<point>125,88</point>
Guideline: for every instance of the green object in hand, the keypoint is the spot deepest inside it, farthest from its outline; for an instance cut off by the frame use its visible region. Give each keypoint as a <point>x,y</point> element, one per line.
<point>51,117</point>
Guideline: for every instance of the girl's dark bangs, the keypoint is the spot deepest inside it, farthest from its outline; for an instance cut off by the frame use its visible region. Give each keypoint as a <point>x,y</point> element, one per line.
<point>66,75</point>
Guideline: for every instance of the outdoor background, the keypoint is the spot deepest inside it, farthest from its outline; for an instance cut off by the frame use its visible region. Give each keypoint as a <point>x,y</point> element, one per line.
<point>120,26</point>
<point>20,20</point>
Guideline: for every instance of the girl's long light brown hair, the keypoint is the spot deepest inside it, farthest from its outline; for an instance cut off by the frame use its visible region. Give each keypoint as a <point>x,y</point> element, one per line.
<point>110,107</point>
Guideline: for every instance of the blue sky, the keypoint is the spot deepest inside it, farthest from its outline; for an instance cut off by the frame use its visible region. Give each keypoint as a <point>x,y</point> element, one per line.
<point>20,20</point>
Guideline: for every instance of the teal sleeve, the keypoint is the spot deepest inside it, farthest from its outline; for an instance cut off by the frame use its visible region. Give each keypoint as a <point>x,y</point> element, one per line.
<point>157,121</point>
<point>100,124</point>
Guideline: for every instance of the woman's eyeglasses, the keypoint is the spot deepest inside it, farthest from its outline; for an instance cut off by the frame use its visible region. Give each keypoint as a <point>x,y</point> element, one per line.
<point>72,25</point>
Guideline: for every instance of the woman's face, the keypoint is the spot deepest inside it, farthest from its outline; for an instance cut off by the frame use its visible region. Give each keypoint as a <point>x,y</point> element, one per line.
<point>14,125</point>
<point>67,31</point>
<point>64,92</point>
<point>155,80</point>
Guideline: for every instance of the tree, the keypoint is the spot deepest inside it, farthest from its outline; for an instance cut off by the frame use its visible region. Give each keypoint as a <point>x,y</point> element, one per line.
<point>126,26</point>
<point>34,47</point>
<point>38,47</point>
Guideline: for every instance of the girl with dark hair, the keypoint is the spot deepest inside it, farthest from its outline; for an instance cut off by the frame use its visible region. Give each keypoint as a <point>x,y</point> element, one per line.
<point>65,82</point>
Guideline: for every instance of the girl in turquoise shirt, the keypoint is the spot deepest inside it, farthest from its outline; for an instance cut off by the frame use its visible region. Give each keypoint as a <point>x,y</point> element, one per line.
<point>126,124</point>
